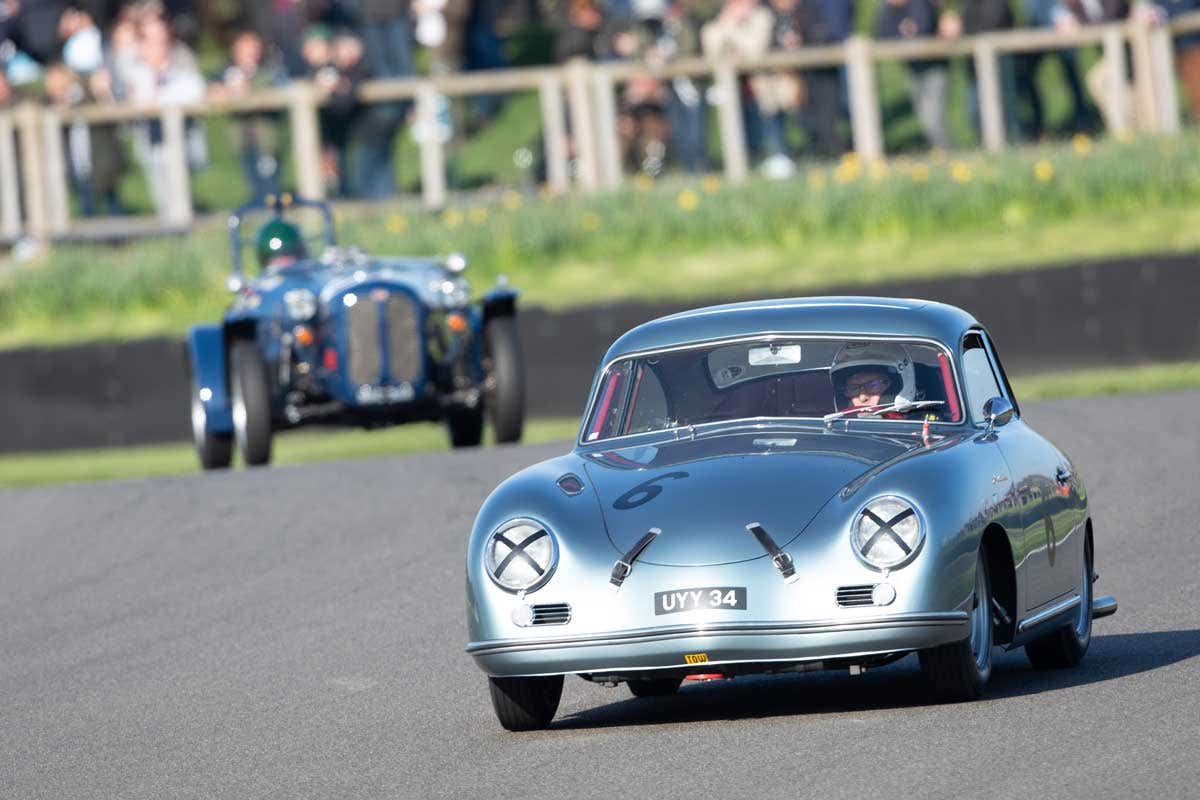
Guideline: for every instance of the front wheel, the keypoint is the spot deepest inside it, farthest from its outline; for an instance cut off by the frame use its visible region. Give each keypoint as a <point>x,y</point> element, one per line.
<point>251,403</point>
<point>958,671</point>
<point>214,449</point>
<point>504,379</point>
<point>525,704</point>
<point>465,426</point>
<point>1067,646</point>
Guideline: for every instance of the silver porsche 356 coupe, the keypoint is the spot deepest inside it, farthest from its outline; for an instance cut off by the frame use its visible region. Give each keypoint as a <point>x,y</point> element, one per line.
<point>784,486</point>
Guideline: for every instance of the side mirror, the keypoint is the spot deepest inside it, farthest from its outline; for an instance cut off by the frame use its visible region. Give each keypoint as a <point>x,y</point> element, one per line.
<point>998,412</point>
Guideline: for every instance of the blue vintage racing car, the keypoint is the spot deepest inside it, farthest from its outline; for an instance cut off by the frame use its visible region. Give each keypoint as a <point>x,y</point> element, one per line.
<point>344,337</point>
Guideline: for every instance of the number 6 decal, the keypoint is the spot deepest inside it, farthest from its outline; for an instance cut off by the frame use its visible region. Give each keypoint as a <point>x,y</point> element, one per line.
<point>645,492</point>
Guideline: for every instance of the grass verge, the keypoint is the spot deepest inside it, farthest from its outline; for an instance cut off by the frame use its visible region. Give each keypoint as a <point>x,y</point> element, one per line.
<point>308,447</point>
<point>849,223</point>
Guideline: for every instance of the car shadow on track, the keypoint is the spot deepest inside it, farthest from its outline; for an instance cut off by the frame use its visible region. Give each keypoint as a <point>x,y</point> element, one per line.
<point>897,686</point>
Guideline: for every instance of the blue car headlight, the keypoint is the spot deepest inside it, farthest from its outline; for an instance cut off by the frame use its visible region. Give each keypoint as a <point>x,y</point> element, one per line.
<point>887,532</point>
<point>520,555</point>
<point>301,304</point>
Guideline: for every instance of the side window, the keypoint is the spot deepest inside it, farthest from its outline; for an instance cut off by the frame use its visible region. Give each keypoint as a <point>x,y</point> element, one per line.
<point>991,346</point>
<point>980,381</point>
<point>648,408</point>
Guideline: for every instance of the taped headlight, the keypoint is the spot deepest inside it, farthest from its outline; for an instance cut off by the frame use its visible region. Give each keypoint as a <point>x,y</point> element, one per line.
<point>521,555</point>
<point>301,304</point>
<point>887,533</point>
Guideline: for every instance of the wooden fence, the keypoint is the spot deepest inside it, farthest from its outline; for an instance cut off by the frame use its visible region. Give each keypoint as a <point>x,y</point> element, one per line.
<point>34,197</point>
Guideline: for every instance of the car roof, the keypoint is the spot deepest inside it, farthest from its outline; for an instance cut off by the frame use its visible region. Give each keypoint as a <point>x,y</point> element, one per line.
<point>836,316</point>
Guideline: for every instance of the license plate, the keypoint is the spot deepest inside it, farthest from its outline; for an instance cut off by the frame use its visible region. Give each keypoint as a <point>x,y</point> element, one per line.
<point>731,597</point>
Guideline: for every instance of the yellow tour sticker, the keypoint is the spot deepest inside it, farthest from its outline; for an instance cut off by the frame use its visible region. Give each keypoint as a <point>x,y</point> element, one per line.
<point>695,658</point>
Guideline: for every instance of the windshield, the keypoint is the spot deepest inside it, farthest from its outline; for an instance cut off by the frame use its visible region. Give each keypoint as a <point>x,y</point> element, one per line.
<point>797,378</point>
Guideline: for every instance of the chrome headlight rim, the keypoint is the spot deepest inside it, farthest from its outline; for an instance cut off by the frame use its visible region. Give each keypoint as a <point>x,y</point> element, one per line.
<point>512,524</point>
<point>301,304</point>
<point>915,547</point>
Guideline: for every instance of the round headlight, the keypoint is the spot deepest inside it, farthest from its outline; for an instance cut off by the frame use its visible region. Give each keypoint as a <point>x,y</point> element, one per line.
<point>301,304</point>
<point>521,555</point>
<point>887,533</point>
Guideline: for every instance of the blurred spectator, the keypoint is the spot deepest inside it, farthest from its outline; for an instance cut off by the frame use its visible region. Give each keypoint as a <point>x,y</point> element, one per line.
<point>824,22</point>
<point>335,65</point>
<point>984,16</point>
<point>1046,14</point>
<point>928,79</point>
<point>32,25</point>
<point>780,94</point>
<point>1069,15</point>
<point>687,109</point>
<point>484,49</point>
<point>580,29</point>
<point>94,155</point>
<point>642,112</point>
<point>741,31</point>
<point>441,27</point>
<point>8,97</point>
<point>1187,57</point>
<point>250,70</point>
<point>164,71</point>
<point>387,34</point>
<point>282,24</point>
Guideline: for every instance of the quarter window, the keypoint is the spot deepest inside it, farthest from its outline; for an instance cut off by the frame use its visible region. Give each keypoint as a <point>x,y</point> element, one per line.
<point>978,375</point>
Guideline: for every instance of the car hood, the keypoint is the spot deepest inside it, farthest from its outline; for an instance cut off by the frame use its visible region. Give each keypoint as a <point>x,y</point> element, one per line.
<point>703,492</point>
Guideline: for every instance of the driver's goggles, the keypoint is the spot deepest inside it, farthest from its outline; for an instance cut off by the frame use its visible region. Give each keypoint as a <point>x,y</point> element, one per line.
<point>874,386</point>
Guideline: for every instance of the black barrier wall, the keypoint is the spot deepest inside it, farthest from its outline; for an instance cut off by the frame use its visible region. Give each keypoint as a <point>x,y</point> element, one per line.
<point>1094,314</point>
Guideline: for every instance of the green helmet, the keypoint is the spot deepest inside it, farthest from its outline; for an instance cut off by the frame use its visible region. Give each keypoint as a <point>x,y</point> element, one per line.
<point>279,238</point>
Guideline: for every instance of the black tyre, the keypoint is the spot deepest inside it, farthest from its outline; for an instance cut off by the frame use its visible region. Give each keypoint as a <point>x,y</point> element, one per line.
<point>958,671</point>
<point>250,400</point>
<point>465,426</point>
<point>504,381</point>
<point>214,449</point>
<point>525,704</point>
<point>1067,646</point>
<point>654,687</point>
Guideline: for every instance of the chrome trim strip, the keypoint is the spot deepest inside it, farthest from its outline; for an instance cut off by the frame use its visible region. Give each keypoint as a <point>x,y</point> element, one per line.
<point>765,336</point>
<point>1052,611</point>
<point>938,619</point>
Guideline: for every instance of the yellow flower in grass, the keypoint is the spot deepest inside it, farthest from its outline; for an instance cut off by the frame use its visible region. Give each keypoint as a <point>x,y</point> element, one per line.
<point>397,224</point>
<point>590,221</point>
<point>920,173</point>
<point>1082,143</point>
<point>1043,170</point>
<point>688,200</point>
<point>879,170</point>
<point>816,179</point>
<point>643,182</point>
<point>960,171</point>
<point>511,200</point>
<point>452,218</point>
<point>711,184</point>
<point>848,171</point>
<point>1126,136</point>
<point>477,215</point>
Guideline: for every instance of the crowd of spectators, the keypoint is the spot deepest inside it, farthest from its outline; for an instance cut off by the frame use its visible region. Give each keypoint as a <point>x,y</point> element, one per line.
<point>71,52</point>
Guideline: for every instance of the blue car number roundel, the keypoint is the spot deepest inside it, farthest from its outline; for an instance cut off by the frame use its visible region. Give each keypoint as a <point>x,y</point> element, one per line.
<point>730,597</point>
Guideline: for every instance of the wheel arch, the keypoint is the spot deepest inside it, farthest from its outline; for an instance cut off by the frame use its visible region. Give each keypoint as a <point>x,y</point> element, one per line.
<point>1002,570</point>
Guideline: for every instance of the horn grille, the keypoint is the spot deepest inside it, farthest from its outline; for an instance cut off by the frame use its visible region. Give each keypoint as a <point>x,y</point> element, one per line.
<point>855,596</point>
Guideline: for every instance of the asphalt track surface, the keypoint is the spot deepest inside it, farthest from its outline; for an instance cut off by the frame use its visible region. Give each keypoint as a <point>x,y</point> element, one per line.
<point>299,632</point>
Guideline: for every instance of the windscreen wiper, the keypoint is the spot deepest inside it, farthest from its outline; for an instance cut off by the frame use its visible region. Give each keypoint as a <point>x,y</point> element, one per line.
<point>624,565</point>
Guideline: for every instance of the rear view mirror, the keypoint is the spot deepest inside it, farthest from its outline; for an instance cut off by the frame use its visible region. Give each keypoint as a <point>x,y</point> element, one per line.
<point>998,412</point>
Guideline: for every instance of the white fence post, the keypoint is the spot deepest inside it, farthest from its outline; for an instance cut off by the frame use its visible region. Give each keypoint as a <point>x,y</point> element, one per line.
<point>608,145</point>
<point>582,127</point>
<point>554,134</point>
<point>29,122</point>
<point>991,101</point>
<point>1162,66</point>
<point>864,99</point>
<point>55,174</point>
<point>733,132</point>
<point>10,183</point>
<point>178,198</point>
<point>1116,82</point>
<point>306,141</point>
<point>433,157</point>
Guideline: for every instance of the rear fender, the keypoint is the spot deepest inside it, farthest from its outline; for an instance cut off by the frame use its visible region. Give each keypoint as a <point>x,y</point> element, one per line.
<point>210,376</point>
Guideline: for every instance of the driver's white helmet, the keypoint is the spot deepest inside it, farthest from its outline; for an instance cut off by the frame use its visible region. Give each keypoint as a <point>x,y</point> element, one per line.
<point>891,359</point>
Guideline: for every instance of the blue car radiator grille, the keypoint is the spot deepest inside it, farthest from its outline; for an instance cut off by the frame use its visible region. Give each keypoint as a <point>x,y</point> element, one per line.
<point>375,327</point>
<point>551,614</point>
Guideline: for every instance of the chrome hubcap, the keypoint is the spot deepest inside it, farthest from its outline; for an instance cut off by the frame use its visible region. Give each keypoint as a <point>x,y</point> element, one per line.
<point>199,420</point>
<point>238,409</point>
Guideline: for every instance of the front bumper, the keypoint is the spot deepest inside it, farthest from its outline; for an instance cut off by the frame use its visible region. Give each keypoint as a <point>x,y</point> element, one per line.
<point>719,643</point>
